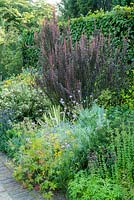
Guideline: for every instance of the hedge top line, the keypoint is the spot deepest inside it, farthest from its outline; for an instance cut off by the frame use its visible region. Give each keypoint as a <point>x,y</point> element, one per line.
<point>120,17</point>
<point>117,10</point>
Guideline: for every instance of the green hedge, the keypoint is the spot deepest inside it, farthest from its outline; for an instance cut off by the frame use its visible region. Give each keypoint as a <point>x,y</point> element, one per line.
<point>118,23</point>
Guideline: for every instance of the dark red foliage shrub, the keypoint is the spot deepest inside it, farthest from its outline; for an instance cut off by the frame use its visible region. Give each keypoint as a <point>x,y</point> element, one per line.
<point>79,72</point>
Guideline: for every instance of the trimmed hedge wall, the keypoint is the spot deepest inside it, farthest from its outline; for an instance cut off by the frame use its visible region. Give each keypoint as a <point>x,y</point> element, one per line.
<point>118,23</point>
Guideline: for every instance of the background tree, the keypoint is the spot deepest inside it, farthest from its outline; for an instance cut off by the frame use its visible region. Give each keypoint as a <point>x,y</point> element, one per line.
<point>19,20</point>
<point>69,8</point>
<point>75,8</point>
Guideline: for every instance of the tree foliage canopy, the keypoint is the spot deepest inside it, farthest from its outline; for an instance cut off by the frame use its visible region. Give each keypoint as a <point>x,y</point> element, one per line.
<point>20,12</point>
<point>19,20</point>
<point>75,8</point>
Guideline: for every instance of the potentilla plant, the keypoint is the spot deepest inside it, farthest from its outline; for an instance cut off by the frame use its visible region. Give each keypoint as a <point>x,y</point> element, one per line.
<point>77,73</point>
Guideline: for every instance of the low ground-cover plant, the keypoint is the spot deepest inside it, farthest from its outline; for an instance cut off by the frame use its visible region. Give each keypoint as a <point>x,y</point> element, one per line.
<point>85,186</point>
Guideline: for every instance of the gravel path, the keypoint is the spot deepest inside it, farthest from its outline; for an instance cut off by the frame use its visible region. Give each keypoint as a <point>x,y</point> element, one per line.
<point>12,190</point>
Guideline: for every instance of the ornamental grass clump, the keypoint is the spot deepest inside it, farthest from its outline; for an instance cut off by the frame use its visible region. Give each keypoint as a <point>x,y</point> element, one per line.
<point>78,72</point>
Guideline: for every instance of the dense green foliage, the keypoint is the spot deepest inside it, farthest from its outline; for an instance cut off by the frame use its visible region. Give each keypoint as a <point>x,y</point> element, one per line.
<point>18,22</point>
<point>119,23</point>
<point>11,60</point>
<point>94,187</point>
<point>75,8</point>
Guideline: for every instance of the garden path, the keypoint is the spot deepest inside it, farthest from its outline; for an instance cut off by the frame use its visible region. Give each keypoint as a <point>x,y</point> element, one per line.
<point>12,190</point>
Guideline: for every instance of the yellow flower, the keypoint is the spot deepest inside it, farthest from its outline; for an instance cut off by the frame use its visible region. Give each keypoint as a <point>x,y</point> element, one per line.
<point>7,82</point>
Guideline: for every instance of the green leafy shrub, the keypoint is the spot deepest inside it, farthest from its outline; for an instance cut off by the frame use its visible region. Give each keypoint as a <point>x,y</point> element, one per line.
<point>106,98</point>
<point>125,97</point>
<point>21,96</point>
<point>122,145</point>
<point>86,186</point>
<point>118,115</point>
<point>128,93</point>
<point>101,138</point>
